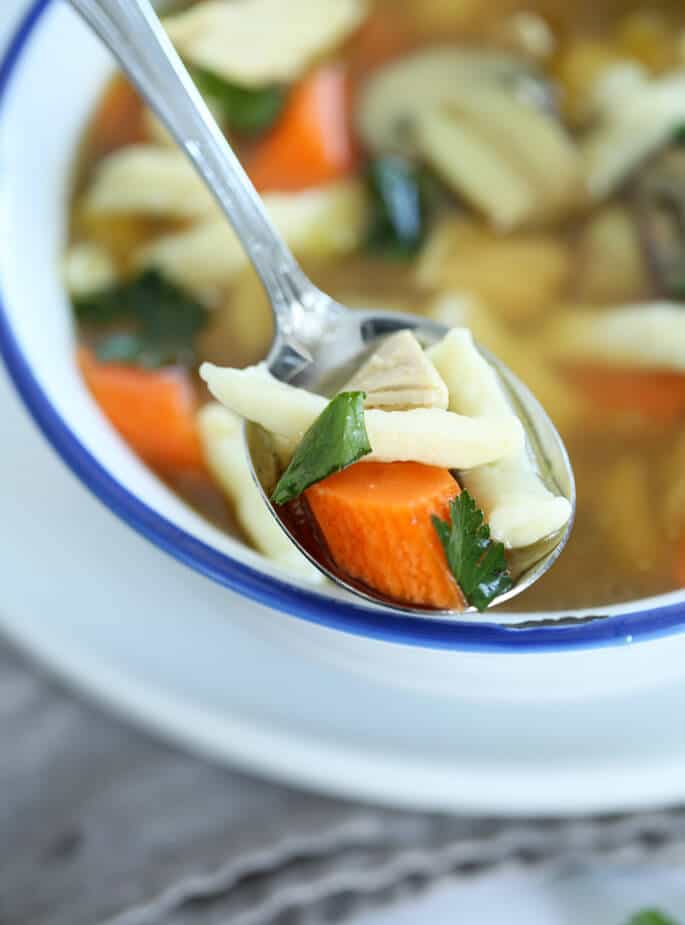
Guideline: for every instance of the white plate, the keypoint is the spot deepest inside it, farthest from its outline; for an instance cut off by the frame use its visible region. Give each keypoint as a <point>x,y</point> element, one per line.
<point>170,649</point>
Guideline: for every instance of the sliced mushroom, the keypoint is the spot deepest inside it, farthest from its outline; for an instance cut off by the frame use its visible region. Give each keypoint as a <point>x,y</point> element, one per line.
<point>511,161</point>
<point>476,170</point>
<point>533,138</point>
<point>393,99</point>
<point>399,376</point>
<point>660,205</point>
<point>478,118</point>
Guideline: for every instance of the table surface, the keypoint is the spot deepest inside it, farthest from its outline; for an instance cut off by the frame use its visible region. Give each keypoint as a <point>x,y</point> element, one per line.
<point>112,820</point>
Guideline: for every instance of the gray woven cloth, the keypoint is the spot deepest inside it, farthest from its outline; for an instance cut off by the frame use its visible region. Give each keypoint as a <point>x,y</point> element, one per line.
<point>101,825</point>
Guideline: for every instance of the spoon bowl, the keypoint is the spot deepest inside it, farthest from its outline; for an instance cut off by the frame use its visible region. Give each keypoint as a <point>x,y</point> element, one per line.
<point>317,340</point>
<point>327,361</point>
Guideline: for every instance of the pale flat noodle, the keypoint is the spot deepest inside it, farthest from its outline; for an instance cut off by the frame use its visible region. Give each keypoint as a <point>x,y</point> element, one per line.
<point>148,179</point>
<point>221,433</point>
<point>528,137</point>
<point>511,161</point>
<point>322,222</point>
<point>645,336</point>
<point>476,169</point>
<point>518,507</point>
<point>425,435</point>
<point>258,42</point>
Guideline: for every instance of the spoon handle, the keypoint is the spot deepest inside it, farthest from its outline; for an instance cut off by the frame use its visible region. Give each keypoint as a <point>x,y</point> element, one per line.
<point>136,38</point>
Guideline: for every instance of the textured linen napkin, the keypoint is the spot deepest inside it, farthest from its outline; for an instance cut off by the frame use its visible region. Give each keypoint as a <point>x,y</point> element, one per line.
<point>101,825</point>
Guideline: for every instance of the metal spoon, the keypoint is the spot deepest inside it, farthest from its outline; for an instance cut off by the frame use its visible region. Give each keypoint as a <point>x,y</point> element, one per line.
<point>314,334</point>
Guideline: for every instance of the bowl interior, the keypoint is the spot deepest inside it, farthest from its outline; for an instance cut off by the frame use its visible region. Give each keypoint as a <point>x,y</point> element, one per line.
<point>46,96</point>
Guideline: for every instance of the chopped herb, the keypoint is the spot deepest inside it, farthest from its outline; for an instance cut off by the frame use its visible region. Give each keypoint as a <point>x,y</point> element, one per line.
<point>651,917</point>
<point>477,562</point>
<point>678,137</point>
<point>402,197</point>
<point>165,320</point>
<point>248,110</point>
<point>335,440</point>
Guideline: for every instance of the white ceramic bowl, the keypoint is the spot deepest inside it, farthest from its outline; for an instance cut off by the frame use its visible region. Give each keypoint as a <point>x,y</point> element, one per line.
<point>49,81</point>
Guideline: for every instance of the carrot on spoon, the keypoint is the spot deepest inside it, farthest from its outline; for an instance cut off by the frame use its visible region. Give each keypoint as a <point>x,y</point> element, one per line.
<point>153,410</point>
<point>376,521</point>
<point>311,143</point>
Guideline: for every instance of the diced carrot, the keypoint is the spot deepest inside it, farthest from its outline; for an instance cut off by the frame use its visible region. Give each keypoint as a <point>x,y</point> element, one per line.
<point>118,119</point>
<point>679,572</point>
<point>153,410</point>
<point>311,143</point>
<point>376,520</point>
<point>658,396</point>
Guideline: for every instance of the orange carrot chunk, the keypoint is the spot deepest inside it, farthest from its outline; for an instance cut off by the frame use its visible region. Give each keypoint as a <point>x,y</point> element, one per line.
<point>376,520</point>
<point>658,396</point>
<point>153,410</point>
<point>311,143</point>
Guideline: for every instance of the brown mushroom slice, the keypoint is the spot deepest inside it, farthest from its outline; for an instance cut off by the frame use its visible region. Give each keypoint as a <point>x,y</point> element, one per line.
<point>399,376</point>
<point>394,98</point>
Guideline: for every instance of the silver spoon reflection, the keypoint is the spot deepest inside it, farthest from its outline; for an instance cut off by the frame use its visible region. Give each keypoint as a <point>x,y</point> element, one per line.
<point>315,337</point>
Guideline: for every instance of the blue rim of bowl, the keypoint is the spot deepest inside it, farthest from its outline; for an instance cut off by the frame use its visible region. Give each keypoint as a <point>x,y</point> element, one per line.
<point>261,587</point>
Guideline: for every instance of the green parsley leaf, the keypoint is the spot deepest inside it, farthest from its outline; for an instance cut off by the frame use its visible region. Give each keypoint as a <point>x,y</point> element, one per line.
<point>651,917</point>
<point>336,439</point>
<point>476,561</point>
<point>165,320</point>
<point>403,196</point>
<point>248,110</point>
<point>678,137</point>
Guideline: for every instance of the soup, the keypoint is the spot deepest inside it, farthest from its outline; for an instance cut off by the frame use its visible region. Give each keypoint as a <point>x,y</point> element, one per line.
<point>515,168</point>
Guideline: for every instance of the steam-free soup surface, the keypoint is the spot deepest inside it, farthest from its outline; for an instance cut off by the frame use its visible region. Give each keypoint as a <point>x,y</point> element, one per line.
<point>531,288</point>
